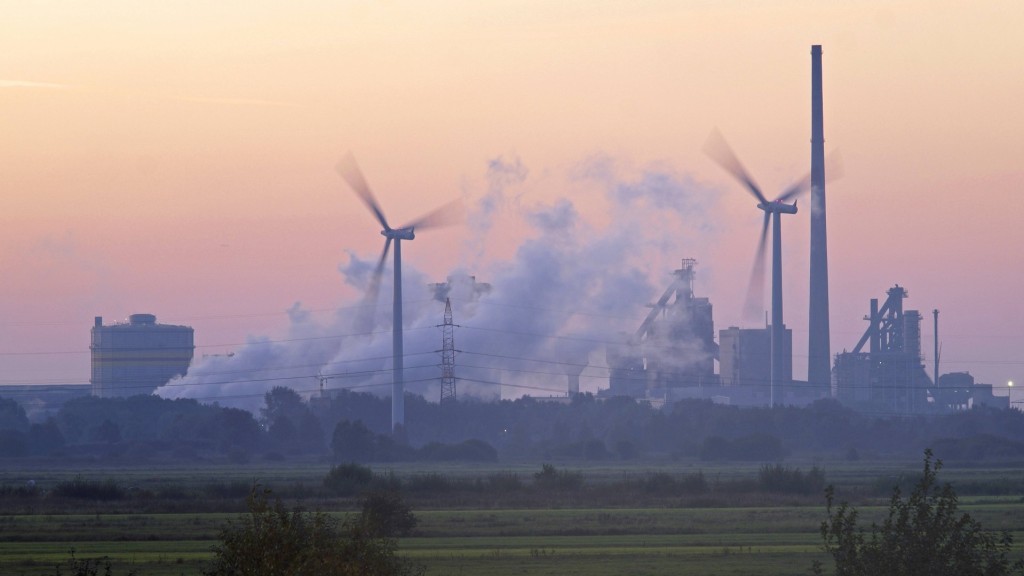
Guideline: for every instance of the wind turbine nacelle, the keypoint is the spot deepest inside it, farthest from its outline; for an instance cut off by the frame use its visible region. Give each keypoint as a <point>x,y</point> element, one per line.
<point>778,206</point>
<point>399,234</point>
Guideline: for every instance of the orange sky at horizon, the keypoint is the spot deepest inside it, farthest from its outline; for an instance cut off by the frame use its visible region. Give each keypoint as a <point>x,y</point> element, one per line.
<point>177,158</point>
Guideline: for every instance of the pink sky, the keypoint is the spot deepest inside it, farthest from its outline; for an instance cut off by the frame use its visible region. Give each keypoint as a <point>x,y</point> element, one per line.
<point>177,158</point>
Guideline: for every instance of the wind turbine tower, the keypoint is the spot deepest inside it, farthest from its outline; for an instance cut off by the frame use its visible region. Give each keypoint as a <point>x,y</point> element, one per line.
<point>818,347</point>
<point>720,152</point>
<point>443,216</point>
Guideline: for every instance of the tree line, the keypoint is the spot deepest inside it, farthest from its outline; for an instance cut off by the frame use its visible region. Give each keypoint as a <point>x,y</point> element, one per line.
<point>354,426</point>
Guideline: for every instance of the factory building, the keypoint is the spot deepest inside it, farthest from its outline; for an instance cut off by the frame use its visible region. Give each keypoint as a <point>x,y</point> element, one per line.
<point>958,391</point>
<point>673,352</point>
<point>138,356</point>
<point>888,377</point>
<point>885,373</point>
<point>745,356</point>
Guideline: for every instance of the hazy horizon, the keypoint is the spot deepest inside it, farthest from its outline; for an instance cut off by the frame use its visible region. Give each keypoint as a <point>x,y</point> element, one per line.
<point>178,160</point>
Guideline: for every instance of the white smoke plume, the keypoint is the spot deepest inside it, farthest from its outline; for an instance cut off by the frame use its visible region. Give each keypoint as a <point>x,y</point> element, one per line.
<point>589,264</point>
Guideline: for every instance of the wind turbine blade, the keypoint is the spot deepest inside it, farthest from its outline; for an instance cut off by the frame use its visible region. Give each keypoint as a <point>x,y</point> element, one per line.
<point>349,170</point>
<point>719,150</point>
<point>451,213</point>
<point>797,189</point>
<point>369,308</point>
<point>755,290</point>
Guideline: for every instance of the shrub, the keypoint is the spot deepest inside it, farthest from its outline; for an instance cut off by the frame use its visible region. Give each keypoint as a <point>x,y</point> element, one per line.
<point>433,483</point>
<point>504,481</point>
<point>386,482</point>
<point>694,483</point>
<point>234,489</point>
<point>88,566</point>
<point>750,447</point>
<point>979,447</point>
<point>626,450</point>
<point>386,515</point>
<point>272,541</point>
<point>348,479</point>
<point>779,478</point>
<point>658,483</point>
<point>28,490</point>
<point>469,451</point>
<point>553,479</point>
<point>665,484</point>
<point>922,535</point>
<point>83,489</point>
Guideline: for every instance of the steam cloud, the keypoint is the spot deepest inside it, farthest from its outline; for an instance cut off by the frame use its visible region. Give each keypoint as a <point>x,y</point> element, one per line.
<point>593,259</point>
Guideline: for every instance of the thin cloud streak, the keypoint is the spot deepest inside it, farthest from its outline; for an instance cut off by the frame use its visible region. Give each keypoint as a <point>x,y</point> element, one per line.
<point>237,101</point>
<point>31,84</point>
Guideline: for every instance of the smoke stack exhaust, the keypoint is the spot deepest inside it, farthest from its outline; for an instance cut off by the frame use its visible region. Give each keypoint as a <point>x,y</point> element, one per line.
<point>819,349</point>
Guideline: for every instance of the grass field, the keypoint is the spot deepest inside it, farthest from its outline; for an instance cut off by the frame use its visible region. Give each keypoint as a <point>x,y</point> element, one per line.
<point>741,534</point>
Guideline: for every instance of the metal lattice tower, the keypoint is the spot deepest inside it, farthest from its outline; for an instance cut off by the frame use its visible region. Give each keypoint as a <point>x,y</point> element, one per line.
<point>447,355</point>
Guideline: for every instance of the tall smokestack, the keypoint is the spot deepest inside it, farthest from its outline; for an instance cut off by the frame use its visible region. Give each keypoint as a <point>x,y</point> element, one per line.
<point>935,313</point>
<point>819,350</point>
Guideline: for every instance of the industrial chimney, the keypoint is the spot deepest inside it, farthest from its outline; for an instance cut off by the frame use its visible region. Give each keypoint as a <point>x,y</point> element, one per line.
<point>819,351</point>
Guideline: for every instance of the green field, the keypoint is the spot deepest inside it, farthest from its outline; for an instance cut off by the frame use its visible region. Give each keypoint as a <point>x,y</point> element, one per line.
<point>170,518</point>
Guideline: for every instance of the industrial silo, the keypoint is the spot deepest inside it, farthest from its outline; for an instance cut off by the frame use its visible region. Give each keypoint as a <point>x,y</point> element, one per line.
<point>138,356</point>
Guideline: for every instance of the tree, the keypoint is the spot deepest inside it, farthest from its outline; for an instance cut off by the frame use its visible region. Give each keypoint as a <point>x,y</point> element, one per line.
<point>923,535</point>
<point>107,432</point>
<point>13,443</point>
<point>45,438</point>
<point>386,515</point>
<point>272,541</point>
<point>12,416</point>
<point>283,401</point>
<point>353,442</point>
<point>290,423</point>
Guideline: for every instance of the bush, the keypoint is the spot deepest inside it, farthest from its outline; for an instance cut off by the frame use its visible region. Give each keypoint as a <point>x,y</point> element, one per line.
<point>348,479</point>
<point>83,489</point>
<point>553,479</point>
<point>234,489</point>
<point>28,490</point>
<point>386,482</point>
<point>922,535</point>
<point>430,483</point>
<point>658,483</point>
<point>272,541</point>
<point>694,483</point>
<point>626,450</point>
<point>980,447</point>
<point>751,447</point>
<point>88,566</point>
<point>665,484</point>
<point>504,482</point>
<point>778,478</point>
<point>386,515</point>
<point>468,451</point>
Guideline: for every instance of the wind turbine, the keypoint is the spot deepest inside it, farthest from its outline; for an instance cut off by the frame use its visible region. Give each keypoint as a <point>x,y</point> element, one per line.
<point>443,216</point>
<point>720,152</point>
